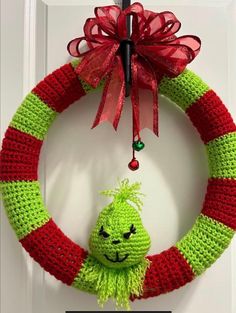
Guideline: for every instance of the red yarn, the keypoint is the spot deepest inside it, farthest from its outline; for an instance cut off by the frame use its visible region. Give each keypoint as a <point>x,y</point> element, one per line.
<point>60,89</point>
<point>63,258</point>
<point>168,271</point>
<point>220,201</point>
<point>19,156</point>
<point>55,252</point>
<point>210,116</point>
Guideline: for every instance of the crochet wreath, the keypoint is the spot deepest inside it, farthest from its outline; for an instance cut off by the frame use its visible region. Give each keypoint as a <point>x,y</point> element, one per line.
<point>123,272</point>
<point>66,260</point>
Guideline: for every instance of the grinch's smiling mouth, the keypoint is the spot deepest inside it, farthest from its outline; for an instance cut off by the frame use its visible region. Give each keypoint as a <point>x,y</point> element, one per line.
<point>117,258</point>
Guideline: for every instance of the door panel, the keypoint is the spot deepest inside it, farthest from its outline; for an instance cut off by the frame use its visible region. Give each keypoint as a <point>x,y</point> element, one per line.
<point>77,162</point>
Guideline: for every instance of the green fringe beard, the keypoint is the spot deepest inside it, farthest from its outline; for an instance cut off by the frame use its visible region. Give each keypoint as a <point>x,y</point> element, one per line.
<point>119,284</point>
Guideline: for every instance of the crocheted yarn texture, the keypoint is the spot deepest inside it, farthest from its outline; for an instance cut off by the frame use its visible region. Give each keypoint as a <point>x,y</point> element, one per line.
<point>119,242</point>
<point>67,261</point>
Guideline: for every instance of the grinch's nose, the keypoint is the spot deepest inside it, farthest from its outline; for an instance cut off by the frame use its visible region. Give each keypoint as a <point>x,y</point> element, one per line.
<point>116,242</point>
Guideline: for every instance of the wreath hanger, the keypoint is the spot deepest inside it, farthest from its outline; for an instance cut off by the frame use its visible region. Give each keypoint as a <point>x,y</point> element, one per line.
<point>126,52</point>
<point>126,47</point>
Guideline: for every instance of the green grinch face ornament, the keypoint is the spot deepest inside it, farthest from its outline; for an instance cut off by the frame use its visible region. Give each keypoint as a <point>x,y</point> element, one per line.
<point>119,238</point>
<point>119,243</point>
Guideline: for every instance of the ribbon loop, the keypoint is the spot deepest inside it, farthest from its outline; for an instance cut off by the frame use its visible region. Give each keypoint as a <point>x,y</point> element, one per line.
<point>156,52</point>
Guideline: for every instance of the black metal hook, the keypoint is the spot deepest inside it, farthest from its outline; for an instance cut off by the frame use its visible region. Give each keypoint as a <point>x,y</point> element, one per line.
<point>126,51</point>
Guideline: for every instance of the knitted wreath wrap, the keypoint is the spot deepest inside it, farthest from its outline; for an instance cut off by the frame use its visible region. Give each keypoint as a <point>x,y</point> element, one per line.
<point>66,260</point>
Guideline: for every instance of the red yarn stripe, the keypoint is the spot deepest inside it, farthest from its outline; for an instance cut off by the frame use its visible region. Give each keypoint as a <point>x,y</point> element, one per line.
<point>19,156</point>
<point>211,117</point>
<point>60,89</point>
<point>168,271</point>
<point>220,201</point>
<point>55,252</point>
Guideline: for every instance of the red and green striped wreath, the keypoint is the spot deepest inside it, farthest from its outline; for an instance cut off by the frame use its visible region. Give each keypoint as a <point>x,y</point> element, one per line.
<point>66,260</point>
<point>156,60</point>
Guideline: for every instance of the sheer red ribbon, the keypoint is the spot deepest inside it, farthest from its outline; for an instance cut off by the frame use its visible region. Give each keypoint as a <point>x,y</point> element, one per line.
<point>156,52</point>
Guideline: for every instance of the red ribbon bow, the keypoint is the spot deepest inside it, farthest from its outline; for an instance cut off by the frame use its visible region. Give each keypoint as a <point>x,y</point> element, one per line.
<point>156,52</point>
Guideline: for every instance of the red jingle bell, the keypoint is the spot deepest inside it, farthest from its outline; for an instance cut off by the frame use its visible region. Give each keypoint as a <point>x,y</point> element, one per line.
<point>133,165</point>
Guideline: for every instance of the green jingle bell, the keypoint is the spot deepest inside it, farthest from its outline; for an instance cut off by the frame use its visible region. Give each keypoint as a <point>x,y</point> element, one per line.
<point>138,145</point>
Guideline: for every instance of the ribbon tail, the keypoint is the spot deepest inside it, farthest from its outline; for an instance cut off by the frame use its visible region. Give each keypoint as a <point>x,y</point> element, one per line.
<point>154,89</point>
<point>147,81</point>
<point>135,96</point>
<point>113,97</point>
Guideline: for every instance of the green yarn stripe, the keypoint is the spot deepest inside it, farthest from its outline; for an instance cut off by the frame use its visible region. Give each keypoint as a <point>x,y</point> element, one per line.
<point>24,206</point>
<point>222,156</point>
<point>81,280</point>
<point>33,117</point>
<point>184,89</point>
<point>204,243</point>
<point>87,88</point>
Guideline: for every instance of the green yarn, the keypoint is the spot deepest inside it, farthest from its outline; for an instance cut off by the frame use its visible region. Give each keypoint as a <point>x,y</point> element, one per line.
<point>87,88</point>
<point>75,62</point>
<point>184,89</point>
<point>116,222</point>
<point>106,282</point>
<point>204,243</point>
<point>222,156</point>
<point>126,192</point>
<point>118,244</point>
<point>33,117</point>
<point>24,206</point>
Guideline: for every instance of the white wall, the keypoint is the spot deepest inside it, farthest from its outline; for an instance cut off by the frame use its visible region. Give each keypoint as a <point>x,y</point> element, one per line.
<point>78,162</point>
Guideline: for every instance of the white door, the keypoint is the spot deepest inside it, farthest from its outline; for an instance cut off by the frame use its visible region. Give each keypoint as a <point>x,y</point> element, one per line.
<point>78,162</point>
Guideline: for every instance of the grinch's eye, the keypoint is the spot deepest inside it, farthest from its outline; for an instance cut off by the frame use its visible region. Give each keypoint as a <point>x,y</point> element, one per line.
<point>127,235</point>
<point>131,231</point>
<point>103,233</point>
